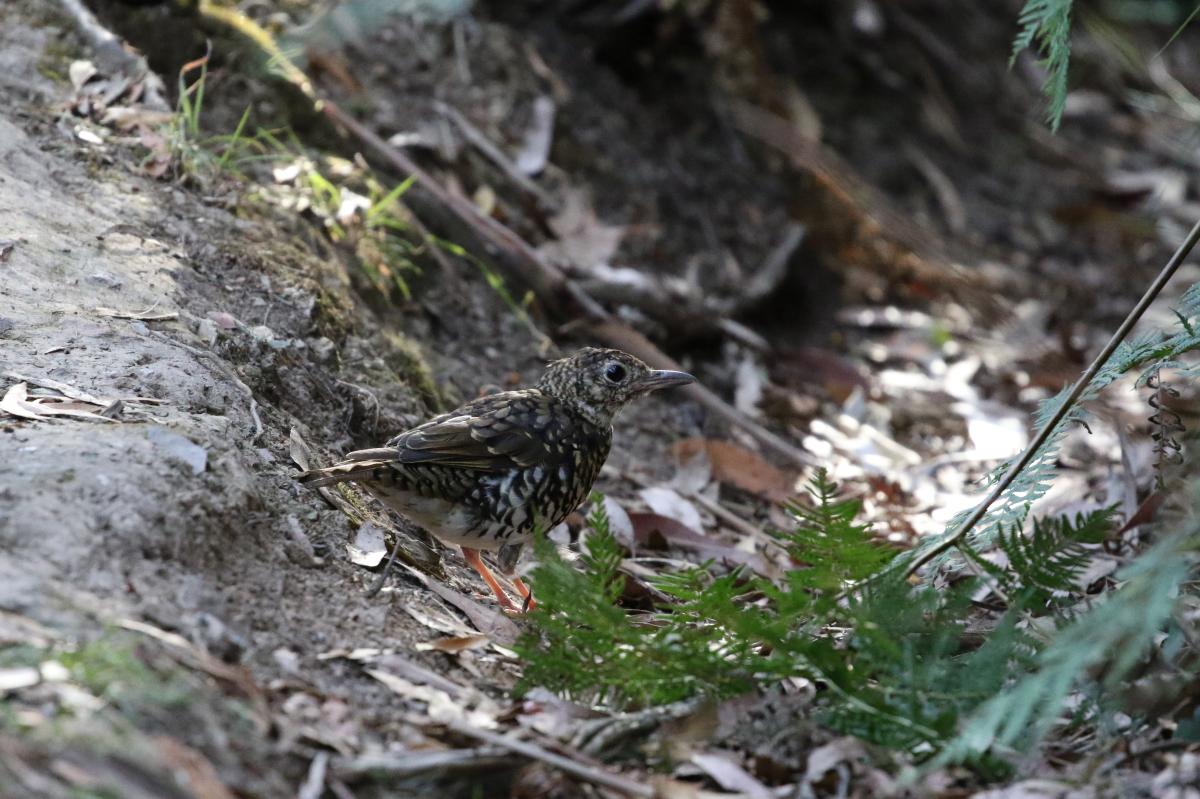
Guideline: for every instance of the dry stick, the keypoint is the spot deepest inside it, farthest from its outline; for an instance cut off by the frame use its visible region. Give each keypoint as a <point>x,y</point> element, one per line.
<point>584,772</point>
<point>982,508</point>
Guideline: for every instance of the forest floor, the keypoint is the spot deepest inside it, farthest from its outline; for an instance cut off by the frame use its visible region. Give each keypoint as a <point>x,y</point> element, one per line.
<point>180,618</point>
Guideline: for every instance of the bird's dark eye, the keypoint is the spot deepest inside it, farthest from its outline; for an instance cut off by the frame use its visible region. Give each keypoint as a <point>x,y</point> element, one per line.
<point>615,373</point>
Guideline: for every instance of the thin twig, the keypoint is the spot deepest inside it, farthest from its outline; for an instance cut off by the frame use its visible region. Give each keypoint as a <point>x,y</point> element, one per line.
<point>592,774</point>
<point>1048,429</point>
<point>493,153</point>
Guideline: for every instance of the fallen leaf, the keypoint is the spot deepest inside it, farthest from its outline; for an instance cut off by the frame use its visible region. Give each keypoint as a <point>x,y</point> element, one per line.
<point>490,622</point>
<point>410,670</point>
<point>124,117</point>
<point>454,644</point>
<point>828,757</point>
<point>369,547</point>
<point>350,206</point>
<point>142,316</point>
<point>584,242</point>
<point>314,783</point>
<point>64,406</point>
<point>646,525</point>
<point>440,706</point>
<point>535,147</point>
<point>65,389</point>
<point>80,72</point>
<point>750,378</point>
<point>809,366</point>
<point>666,502</point>
<point>14,402</point>
<point>158,161</point>
<point>692,474</point>
<point>739,467</point>
<point>551,715</point>
<point>727,773</point>
<point>618,522</point>
<point>327,722</point>
<point>223,320</point>
<point>299,450</point>
<point>441,621</point>
<point>18,629</point>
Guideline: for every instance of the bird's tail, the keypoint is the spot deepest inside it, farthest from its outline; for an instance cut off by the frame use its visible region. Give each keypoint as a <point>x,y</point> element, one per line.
<point>362,465</point>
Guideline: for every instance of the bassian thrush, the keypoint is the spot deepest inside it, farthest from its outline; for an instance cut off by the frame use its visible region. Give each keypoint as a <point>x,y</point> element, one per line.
<point>490,473</point>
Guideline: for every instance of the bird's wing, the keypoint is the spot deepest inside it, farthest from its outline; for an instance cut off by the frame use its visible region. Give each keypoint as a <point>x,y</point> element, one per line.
<point>496,433</point>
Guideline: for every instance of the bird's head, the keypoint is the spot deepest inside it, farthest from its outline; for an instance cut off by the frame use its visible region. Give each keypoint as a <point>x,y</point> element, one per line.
<point>598,382</point>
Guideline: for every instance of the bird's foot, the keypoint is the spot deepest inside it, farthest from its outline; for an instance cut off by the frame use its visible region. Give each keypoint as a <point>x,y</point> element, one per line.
<point>506,604</point>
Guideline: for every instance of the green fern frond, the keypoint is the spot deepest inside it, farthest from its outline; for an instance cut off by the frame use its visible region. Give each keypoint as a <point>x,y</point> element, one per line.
<point>836,549</point>
<point>1053,556</point>
<point>1046,25</point>
<point>1117,633</point>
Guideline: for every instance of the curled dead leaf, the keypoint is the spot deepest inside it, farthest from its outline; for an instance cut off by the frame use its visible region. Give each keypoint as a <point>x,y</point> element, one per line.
<point>739,467</point>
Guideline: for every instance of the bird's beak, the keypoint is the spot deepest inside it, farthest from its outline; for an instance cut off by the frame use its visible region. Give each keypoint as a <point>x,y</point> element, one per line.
<point>662,378</point>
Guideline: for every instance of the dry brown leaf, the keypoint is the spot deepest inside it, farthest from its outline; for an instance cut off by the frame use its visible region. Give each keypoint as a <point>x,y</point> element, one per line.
<point>739,467</point>
<point>454,644</point>
<point>648,526</point>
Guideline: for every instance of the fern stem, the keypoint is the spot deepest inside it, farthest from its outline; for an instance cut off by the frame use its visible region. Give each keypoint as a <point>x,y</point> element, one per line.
<point>1043,435</point>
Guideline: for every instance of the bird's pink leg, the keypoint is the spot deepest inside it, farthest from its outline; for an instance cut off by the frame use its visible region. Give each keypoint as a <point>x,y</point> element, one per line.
<point>475,562</point>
